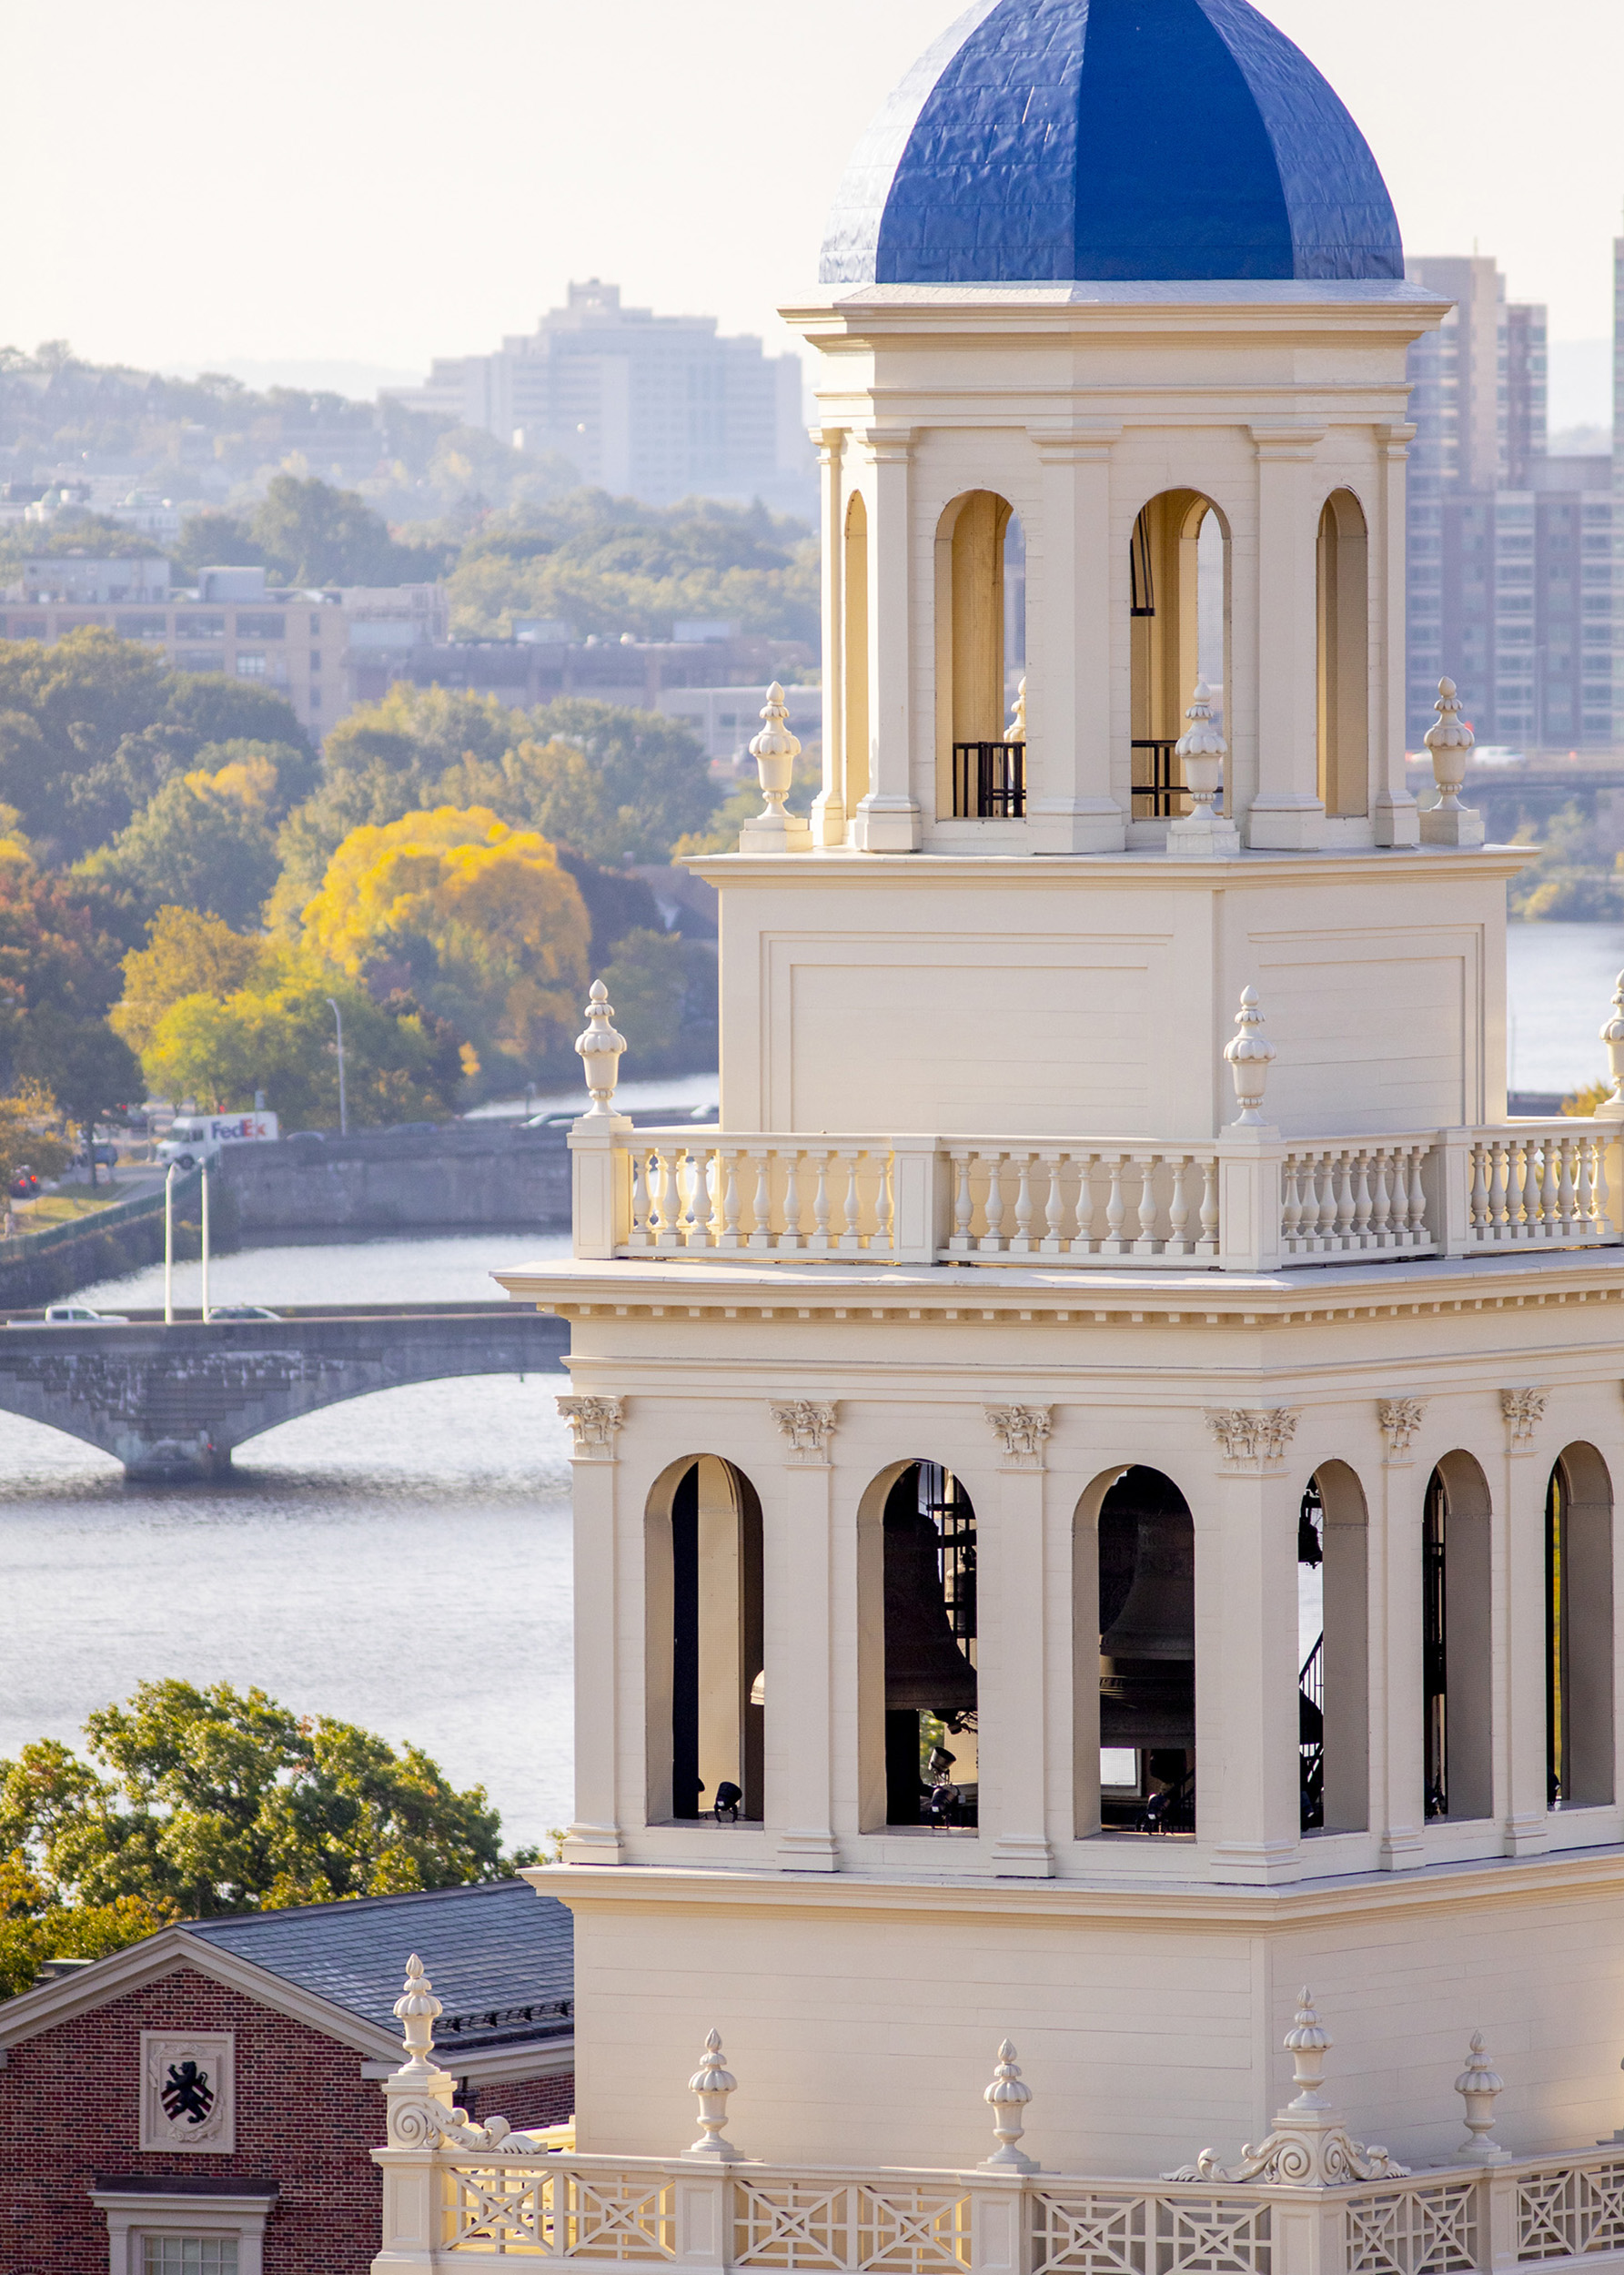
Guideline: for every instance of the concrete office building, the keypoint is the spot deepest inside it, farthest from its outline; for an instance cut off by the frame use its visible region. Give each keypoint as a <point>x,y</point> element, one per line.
<point>1510,550</point>
<point>653,407</point>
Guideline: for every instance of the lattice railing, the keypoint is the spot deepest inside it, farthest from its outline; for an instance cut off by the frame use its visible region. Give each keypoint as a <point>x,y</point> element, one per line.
<point>562,2213</point>
<point>1566,2212</point>
<point>1422,2229</point>
<point>911,2229</point>
<point>1110,2232</point>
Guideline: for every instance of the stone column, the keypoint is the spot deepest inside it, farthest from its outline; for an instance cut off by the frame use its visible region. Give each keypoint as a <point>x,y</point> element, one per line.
<point>594,1837</point>
<point>1012,1722</point>
<point>1070,806</point>
<point>1247,1762</point>
<point>797,1554</point>
<point>1393,811</point>
<point>1397,1712</point>
<point>1286,813</point>
<point>829,807</point>
<point>888,819</point>
<point>1521,1792</point>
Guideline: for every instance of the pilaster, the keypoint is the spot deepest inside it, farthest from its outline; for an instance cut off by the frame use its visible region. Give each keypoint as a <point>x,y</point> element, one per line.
<point>1070,807</point>
<point>800,1620</point>
<point>887,819</point>
<point>1520,1710</point>
<point>1014,1738</point>
<point>1246,1648</point>
<point>1286,813</point>
<point>594,1837</point>
<point>1399,1801</point>
<point>829,807</point>
<point>1396,816</point>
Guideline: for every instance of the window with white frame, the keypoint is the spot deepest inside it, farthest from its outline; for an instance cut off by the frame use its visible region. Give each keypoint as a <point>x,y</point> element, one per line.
<point>188,2255</point>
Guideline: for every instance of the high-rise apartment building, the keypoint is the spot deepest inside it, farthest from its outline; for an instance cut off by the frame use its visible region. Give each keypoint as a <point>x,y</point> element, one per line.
<point>653,407</point>
<point>1510,572</point>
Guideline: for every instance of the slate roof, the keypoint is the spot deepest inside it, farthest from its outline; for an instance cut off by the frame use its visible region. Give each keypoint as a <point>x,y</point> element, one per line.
<point>501,1957</point>
<point>1062,140</point>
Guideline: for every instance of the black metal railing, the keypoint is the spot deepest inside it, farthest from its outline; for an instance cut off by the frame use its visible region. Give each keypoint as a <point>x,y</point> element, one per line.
<point>989,781</point>
<point>1311,1737</point>
<point>1156,786</point>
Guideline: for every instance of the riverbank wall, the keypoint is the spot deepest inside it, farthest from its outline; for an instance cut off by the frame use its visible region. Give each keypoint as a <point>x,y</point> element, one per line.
<point>39,1267</point>
<point>442,1178</point>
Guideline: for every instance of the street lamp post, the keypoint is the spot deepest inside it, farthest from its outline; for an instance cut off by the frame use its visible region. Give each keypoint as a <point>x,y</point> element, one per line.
<point>169,1244</point>
<point>343,1109</point>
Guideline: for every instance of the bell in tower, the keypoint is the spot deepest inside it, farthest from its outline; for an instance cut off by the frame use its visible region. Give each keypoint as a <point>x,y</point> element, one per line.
<point>1147,1650</point>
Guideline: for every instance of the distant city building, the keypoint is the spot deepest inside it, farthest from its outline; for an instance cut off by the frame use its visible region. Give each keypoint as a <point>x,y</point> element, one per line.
<point>653,407</point>
<point>1510,550</point>
<point>646,674</point>
<point>725,718</point>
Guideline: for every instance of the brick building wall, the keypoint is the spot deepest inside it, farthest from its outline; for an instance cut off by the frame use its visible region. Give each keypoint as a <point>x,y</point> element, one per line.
<point>531,2102</point>
<point>306,2119</point>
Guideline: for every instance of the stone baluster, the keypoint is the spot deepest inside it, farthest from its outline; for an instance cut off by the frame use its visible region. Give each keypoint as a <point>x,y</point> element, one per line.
<point>1208,1243</point>
<point>1007,2097</point>
<point>690,1181</point>
<point>790,1238</point>
<point>711,2085</point>
<point>819,1243</point>
<point>1344,1199</point>
<point>1291,1201</point>
<point>1325,1180</point>
<point>992,1207</point>
<point>1087,1241</point>
<point>1531,1209</point>
<point>1401,1162</point>
<point>1566,1195</point>
<point>1585,1198</point>
<point>1113,1244</point>
<point>1482,1201</point>
<point>666,1202</point>
<point>885,1205</point>
<point>1178,1208</point>
<point>1146,1244</point>
<point>1360,1171</point>
<point>761,1206</point>
<point>1551,1193</point>
<point>964,1203</point>
<point>1381,1200</point>
<point>1023,1243</point>
<point>642,1206</point>
<point>1598,1194</point>
<point>850,1243</point>
<point>1053,1239</point>
<point>731,1237</point>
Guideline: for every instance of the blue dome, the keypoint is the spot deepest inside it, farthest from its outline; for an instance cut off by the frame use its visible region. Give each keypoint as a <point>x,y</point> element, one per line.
<point>1055,140</point>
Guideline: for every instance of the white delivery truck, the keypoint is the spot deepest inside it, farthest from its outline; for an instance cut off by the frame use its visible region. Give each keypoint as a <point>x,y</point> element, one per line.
<point>195,1137</point>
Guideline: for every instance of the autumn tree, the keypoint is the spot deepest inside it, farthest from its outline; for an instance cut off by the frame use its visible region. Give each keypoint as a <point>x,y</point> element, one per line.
<point>204,840</point>
<point>185,954</point>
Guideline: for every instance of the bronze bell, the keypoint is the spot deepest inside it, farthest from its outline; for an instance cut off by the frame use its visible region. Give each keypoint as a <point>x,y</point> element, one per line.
<point>1147,1614</point>
<point>925,1670</point>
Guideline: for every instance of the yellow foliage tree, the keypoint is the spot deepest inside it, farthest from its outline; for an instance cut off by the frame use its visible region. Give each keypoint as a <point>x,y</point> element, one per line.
<point>485,926</point>
<point>187,954</point>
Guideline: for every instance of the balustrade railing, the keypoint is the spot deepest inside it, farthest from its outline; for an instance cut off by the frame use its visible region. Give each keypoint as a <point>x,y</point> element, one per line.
<point>1233,1203</point>
<point>648,2212</point>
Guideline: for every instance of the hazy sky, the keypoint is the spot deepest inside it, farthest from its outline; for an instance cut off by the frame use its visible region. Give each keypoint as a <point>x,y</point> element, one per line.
<point>198,181</point>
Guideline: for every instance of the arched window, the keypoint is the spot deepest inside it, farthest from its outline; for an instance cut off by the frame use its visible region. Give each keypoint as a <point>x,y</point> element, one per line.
<point>926,1541</point>
<point>706,1680</point>
<point>854,724</point>
<point>1178,616</point>
<point>1146,1640</point>
<point>981,587</point>
<point>1344,656</point>
<point>1456,1639</point>
<point>1333,1633</point>
<point>1578,1630</point>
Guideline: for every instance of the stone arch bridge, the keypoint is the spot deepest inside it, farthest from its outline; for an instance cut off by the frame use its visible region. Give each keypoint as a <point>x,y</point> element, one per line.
<point>174,1402</point>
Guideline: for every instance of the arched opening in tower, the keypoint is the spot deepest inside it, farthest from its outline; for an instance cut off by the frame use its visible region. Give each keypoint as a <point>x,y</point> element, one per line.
<point>1147,1656</point>
<point>1579,1629</point>
<point>928,1532</point>
<point>981,653</point>
<point>1178,611</point>
<point>1344,652</point>
<point>707,1683</point>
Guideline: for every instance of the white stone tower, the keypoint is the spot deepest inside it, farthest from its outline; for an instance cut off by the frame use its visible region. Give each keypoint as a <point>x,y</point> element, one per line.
<point>1092,1493</point>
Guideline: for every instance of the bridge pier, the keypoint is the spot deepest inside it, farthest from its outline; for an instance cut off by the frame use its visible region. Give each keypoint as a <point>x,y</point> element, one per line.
<point>173,1461</point>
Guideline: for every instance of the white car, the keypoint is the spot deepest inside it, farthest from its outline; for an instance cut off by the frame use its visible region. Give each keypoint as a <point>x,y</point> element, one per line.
<point>80,1314</point>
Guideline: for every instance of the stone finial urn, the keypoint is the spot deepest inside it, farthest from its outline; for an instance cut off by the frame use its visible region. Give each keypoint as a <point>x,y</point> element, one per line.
<point>1450,740</point>
<point>775,750</point>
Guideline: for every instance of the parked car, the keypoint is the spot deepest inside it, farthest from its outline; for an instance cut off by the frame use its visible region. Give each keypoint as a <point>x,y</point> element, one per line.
<point>25,1185</point>
<point>242,1311</point>
<point>81,1315</point>
<point>107,1156</point>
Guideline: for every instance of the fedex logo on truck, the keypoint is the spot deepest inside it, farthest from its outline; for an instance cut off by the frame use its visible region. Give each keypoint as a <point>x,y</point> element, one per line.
<point>200,1137</point>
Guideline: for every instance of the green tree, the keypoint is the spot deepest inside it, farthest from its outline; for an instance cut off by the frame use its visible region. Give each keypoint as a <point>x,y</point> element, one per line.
<point>26,1135</point>
<point>62,944</point>
<point>663,989</point>
<point>204,841</point>
<point>91,1072</point>
<point>196,1802</point>
<point>314,534</point>
<point>614,784</point>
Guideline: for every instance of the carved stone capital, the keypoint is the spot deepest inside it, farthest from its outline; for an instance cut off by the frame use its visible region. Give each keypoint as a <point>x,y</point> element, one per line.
<point>1023,1432</point>
<point>595,1424</point>
<point>808,1425</point>
<point>1524,1410</point>
<point>1254,1438</point>
<point>1400,1418</point>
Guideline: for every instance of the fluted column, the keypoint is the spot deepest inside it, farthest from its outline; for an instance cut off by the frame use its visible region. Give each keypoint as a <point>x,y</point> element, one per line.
<point>1070,804</point>
<point>1394,811</point>
<point>1286,813</point>
<point>887,819</point>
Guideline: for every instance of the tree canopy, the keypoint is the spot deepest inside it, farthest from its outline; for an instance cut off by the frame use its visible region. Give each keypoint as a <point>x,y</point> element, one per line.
<point>204,841</point>
<point>309,533</point>
<point>189,1802</point>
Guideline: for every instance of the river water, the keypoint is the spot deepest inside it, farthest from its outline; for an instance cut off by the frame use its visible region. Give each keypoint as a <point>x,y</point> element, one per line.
<point>403,1560</point>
